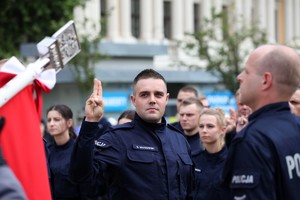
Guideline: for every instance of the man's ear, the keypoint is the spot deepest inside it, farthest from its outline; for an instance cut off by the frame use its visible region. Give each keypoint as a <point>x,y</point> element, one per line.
<point>267,80</point>
<point>132,98</point>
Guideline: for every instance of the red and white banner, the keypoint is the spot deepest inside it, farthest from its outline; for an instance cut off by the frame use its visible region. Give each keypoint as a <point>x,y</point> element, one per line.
<point>21,138</point>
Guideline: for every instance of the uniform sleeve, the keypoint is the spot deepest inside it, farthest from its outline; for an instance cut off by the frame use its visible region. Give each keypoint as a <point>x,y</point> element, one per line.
<point>81,164</point>
<point>90,157</point>
<point>252,168</point>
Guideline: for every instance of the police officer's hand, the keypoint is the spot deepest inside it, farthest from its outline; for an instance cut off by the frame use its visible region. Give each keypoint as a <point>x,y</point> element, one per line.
<point>241,123</point>
<point>231,121</point>
<point>94,106</point>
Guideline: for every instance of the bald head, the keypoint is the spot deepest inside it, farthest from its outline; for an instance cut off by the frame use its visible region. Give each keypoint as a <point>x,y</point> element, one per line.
<point>271,75</point>
<point>284,65</point>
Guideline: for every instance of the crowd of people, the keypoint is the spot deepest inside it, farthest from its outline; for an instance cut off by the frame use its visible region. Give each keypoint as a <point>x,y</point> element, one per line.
<point>252,154</point>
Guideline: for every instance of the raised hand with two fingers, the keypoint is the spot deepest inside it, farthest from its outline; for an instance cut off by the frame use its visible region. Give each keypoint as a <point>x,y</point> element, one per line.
<point>94,106</point>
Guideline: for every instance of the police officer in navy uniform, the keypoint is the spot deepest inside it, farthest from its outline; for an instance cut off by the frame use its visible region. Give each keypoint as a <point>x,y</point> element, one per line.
<point>264,158</point>
<point>189,115</point>
<point>184,93</point>
<point>142,159</point>
<point>209,163</point>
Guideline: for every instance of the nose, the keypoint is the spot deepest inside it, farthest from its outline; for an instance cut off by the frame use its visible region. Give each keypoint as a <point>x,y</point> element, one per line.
<point>183,116</point>
<point>50,122</point>
<point>239,76</point>
<point>244,107</point>
<point>203,129</point>
<point>152,99</point>
<point>291,106</point>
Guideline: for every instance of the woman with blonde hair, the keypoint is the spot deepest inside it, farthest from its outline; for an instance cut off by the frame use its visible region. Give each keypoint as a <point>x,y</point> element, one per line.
<point>210,162</point>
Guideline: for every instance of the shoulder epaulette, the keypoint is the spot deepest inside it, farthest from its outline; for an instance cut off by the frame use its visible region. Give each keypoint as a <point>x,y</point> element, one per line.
<point>174,128</point>
<point>122,126</point>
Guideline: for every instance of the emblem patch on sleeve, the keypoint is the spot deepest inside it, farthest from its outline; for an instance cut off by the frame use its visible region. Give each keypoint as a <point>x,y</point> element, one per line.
<point>244,179</point>
<point>100,144</point>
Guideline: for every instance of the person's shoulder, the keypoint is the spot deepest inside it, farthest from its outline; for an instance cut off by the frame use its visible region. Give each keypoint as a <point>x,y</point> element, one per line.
<point>199,154</point>
<point>49,145</point>
<point>176,124</point>
<point>113,134</point>
<point>175,129</point>
<point>104,120</point>
<point>125,126</point>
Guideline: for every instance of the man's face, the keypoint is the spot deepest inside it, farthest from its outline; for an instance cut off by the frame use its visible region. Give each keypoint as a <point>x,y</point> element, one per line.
<point>150,99</point>
<point>295,103</point>
<point>205,103</point>
<point>250,82</point>
<point>242,109</point>
<point>183,95</point>
<point>189,118</point>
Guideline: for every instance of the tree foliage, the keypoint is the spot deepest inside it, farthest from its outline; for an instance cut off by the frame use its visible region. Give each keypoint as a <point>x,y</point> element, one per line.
<point>26,21</point>
<point>223,46</point>
<point>30,21</point>
<point>84,63</point>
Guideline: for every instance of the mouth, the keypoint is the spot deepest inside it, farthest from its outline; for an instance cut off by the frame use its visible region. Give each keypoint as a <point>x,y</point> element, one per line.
<point>152,109</point>
<point>204,138</point>
<point>51,130</point>
<point>184,124</point>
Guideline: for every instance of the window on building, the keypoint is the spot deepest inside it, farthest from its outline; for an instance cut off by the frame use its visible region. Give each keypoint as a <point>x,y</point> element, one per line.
<point>167,19</point>
<point>103,14</point>
<point>135,18</point>
<point>225,21</point>
<point>197,17</point>
<point>103,8</point>
<point>277,21</point>
<point>255,12</point>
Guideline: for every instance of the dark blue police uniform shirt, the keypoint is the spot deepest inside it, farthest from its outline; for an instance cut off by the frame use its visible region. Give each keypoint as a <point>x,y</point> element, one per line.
<point>208,170</point>
<point>137,160</point>
<point>59,162</point>
<point>104,124</point>
<point>178,126</point>
<point>263,160</point>
<point>195,143</point>
<point>61,185</point>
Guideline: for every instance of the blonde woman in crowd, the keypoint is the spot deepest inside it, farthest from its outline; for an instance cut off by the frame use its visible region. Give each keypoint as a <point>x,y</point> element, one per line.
<point>209,163</point>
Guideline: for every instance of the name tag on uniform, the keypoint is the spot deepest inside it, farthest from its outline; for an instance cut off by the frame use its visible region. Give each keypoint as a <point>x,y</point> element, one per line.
<point>144,148</point>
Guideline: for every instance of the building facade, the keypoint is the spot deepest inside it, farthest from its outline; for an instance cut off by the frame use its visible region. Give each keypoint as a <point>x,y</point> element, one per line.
<point>142,34</point>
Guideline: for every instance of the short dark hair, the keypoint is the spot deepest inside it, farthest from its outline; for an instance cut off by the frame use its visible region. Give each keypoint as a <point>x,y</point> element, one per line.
<point>189,88</point>
<point>128,114</point>
<point>148,73</point>
<point>192,100</point>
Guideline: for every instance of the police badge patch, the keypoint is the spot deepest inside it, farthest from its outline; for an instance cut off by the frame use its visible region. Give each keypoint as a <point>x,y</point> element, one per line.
<point>245,179</point>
